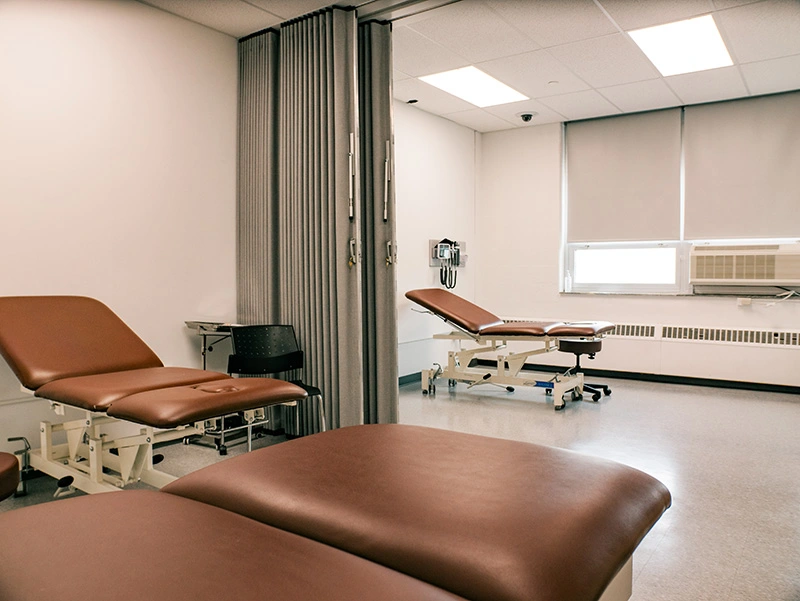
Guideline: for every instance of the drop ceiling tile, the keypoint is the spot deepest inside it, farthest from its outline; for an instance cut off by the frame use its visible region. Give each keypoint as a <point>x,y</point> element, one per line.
<point>472,30</point>
<point>721,4</point>
<point>233,17</point>
<point>554,22</point>
<point>708,86</point>
<point>761,31</point>
<point>430,99</point>
<point>581,105</point>
<point>535,74</point>
<point>776,75</point>
<point>510,113</point>
<point>635,15</point>
<point>416,55</point>
<point>479,120</point>
<point>641,96</point>
<point>607,61</point>
<point>289,9</point>
<point>398,75</point>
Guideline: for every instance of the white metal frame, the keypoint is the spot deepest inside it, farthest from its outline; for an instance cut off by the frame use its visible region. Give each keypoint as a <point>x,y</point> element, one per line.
<point>508,372</point>
<point>86,457</point>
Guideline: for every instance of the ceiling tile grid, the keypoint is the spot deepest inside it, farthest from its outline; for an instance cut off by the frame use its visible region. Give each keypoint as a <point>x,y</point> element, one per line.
<point>454,27</point>
<point>574,59</point>
<point>581,105</point>
<point>587,64</point>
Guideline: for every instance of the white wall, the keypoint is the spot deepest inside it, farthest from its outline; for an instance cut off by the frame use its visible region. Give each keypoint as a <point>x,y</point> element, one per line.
<point>514,234</point>
<point>117,169</point>
<point>517,275</point>
<point>435,174</point>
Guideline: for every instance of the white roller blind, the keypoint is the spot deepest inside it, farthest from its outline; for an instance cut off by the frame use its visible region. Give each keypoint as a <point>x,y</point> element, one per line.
<point>742,161</point>
<point>623,178</point>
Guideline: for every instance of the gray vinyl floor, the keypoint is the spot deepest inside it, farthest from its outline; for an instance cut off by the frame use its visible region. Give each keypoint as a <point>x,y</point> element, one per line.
<point>731,459</point>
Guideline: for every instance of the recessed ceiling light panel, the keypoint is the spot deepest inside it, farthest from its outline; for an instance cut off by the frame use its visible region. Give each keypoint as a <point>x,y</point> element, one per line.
<point>683,46</point>
<point>474,86</point>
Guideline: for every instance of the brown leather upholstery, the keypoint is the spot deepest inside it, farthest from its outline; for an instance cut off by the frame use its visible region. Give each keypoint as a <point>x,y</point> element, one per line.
<point>9,476</point>
<point>473,319</point>
<point>96,393</point>
<point>488,519</point>
<point>171,407</point>
<point>455,309</point>
<point>148,546</point>
<point>76,351</point>
<point>48,337</point>
<point>519,328</point>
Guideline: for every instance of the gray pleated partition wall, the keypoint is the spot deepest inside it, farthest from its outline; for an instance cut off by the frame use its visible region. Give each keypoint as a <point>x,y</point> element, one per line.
<point>257,207</point>
<point>301,219</point>
<point>320,284</point>
<point>378,223</point>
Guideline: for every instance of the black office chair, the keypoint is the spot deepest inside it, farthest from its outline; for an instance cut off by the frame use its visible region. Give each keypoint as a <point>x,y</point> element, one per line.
<point>589,348</point>
<point>270,350</point>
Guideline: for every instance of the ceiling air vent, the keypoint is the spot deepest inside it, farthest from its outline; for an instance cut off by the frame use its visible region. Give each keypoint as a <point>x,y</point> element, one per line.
<point>763,265</point>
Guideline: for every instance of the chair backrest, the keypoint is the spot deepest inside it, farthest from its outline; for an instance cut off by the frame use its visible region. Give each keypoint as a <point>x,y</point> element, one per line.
<point>264,349</point>
<point>45,338</point>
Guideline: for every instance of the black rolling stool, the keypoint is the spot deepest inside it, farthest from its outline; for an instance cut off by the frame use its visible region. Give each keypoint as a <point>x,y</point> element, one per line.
<point>589,348</point>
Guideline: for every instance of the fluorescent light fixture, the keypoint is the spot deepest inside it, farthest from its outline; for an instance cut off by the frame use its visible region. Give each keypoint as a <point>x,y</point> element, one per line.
<point>683,46</point>
<point>474,86</point>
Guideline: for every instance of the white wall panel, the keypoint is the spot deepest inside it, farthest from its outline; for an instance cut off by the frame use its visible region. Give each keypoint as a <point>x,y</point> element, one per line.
<point>435,173</point>
<point>117,166</point>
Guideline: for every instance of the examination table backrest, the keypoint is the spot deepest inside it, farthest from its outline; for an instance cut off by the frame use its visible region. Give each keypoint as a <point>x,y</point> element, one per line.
<point>45,338</point>
<point>456,310</point>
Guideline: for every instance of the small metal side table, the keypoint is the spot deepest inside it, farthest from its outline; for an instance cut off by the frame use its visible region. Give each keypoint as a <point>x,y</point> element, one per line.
<point>216,331</point>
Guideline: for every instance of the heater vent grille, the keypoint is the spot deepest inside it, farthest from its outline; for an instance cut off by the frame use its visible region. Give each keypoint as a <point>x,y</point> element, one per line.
<point>634,331</point>
<point>770,337</point>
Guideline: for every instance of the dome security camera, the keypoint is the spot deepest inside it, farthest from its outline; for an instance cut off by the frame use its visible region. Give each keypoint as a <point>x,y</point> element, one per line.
<point>526,117</point>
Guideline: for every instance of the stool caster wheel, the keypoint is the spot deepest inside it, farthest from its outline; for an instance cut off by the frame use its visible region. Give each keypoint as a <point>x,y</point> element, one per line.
<point>451,383</point>
<point>510,388</point>
<point>559,407</point>
<point>607,391</point>
<point>157,458</point>
<point>223,450</point>
<point>596,397</point>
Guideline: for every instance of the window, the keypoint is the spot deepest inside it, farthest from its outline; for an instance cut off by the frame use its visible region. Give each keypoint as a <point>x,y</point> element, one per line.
<point>640,189</point>
<point>636,268</point>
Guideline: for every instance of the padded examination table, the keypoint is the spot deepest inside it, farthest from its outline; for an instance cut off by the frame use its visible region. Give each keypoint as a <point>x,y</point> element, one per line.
<point>75,352</point>
<point>367,512</point>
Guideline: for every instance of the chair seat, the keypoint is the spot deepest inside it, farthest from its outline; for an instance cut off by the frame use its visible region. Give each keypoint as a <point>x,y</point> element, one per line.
<point>310,390</point>
<point>580,347</point>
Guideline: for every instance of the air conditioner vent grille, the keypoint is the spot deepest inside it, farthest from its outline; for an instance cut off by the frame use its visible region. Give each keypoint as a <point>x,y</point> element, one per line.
<point>734,267</point>
<point>775,265</point>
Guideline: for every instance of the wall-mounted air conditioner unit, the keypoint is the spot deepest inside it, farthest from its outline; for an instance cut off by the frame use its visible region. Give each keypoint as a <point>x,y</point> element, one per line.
<point>758,265</point>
